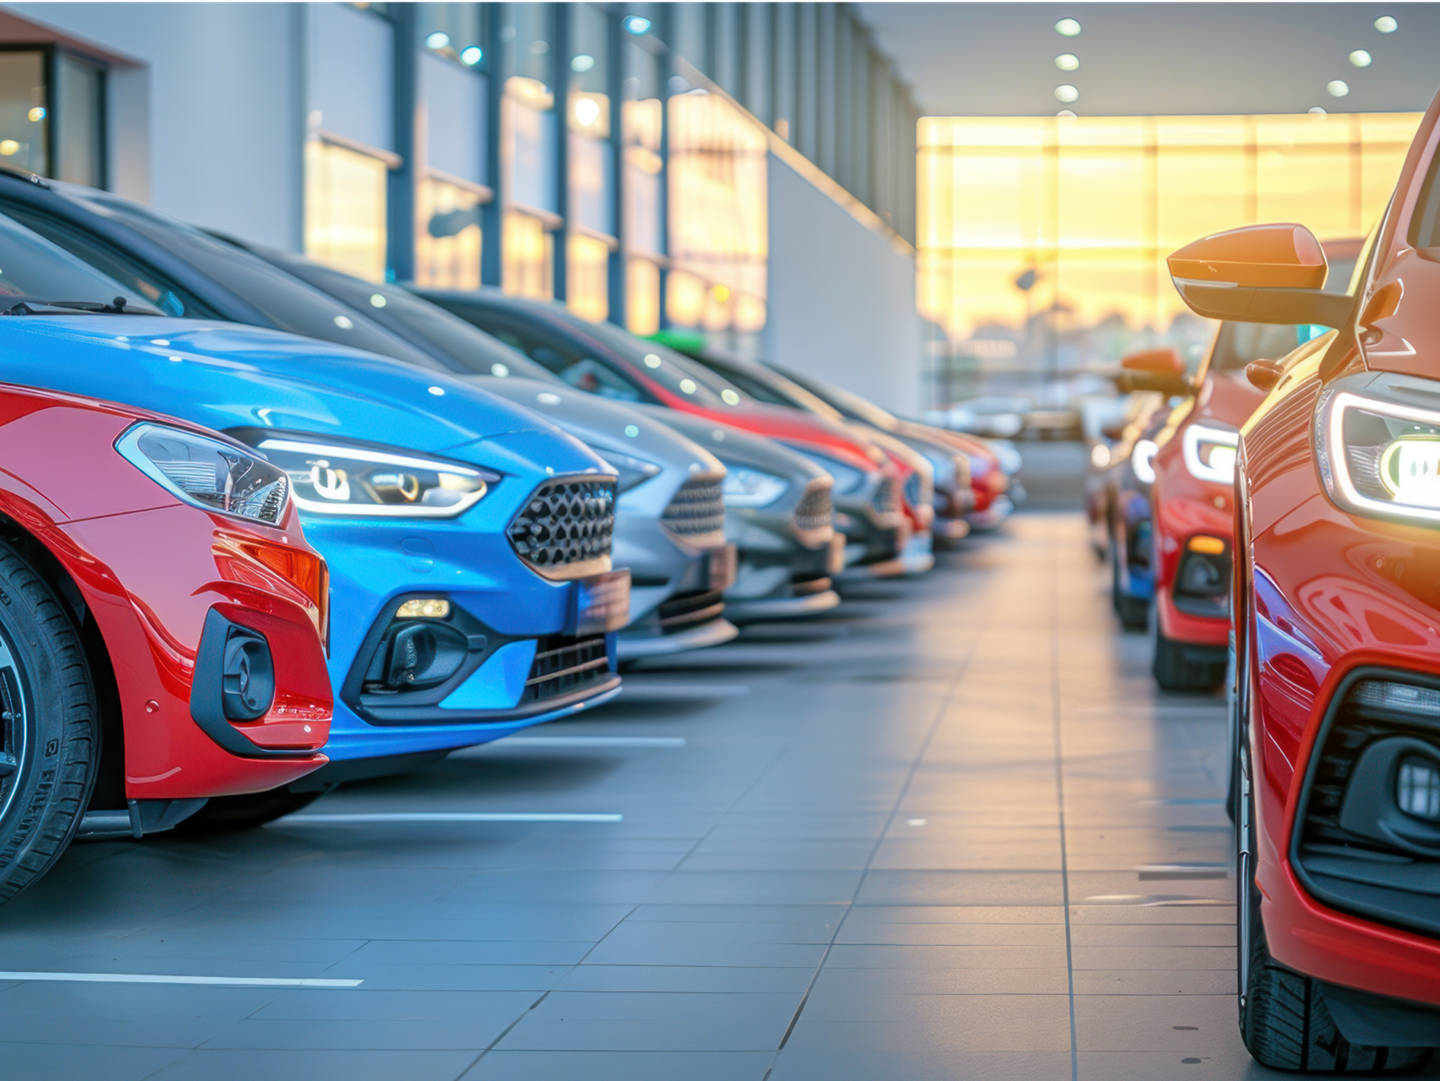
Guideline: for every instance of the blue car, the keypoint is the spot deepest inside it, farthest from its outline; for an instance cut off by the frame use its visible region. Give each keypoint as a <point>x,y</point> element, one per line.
<point>468,540</point>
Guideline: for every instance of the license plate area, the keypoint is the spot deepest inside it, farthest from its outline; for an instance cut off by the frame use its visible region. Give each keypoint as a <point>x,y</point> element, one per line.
<point>720,567</point>
<point>602,603</point>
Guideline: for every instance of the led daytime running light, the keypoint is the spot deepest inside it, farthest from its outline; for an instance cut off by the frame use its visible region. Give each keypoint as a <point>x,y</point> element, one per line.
<point>1220,466</point>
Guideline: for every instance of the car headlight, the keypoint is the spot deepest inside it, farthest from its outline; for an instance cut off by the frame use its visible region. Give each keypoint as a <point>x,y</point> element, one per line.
<point>847,478</point>
<point>207,473</point>
<point>335,478</point>
<point>1209,453</point>
<point>632,471</point>
<point>1142,460</point>
<point>746,487</point>
<point>1378,457</point>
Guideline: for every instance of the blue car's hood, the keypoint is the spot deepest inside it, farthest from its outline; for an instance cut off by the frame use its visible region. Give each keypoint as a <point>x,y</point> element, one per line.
<point>225,375</point>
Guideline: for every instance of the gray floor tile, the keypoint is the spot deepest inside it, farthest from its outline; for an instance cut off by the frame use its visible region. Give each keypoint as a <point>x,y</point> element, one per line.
<point>622,1066</point>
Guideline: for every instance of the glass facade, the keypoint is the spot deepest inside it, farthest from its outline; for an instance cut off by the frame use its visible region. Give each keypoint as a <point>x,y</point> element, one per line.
<point>447,235</point>
<point>24,111</point>
<point>345,209</point>
<point>52,114</point>
<point>1042,241</point>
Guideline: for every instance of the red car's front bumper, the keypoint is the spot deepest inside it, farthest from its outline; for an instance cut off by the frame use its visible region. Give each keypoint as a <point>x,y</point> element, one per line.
<point>1191,519</point>
<point>1338,600</point>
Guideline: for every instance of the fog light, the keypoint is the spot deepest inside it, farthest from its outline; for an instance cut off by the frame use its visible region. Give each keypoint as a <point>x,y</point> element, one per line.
<point>423,655</point>
<point>424,608</point>
<point>1417,788</point>
<point>247,680</point>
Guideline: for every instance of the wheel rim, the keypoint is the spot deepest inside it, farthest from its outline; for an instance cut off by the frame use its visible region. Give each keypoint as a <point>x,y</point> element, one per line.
<point>14,729</point>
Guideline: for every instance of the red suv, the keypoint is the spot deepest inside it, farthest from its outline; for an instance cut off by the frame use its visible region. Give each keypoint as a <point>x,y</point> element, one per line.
<point>161,640</point>
<point>1336,781</point>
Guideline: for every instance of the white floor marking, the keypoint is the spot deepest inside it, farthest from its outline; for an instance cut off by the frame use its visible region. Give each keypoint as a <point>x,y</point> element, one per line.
<point>448,816</point>
<point>639,689</point>
<point>205,981</point>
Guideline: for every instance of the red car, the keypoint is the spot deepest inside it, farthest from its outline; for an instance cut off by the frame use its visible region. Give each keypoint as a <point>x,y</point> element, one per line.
<point>1336,782</point>
<point>1192,510</point>
<point>161,631</point>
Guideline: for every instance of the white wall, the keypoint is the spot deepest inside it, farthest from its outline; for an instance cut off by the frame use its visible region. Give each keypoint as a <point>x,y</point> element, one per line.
<point>225,123</point>
<point>841,299</point>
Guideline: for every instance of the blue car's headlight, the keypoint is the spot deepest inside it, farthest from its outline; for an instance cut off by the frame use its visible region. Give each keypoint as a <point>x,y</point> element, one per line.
<point>746,487</point>
<point>207,473</point>
<point>334,478</point>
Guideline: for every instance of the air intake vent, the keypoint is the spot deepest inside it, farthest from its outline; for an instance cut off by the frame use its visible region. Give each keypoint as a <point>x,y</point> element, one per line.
<point>698,508</point>
<point>563,666</point>
<point>566,527</point>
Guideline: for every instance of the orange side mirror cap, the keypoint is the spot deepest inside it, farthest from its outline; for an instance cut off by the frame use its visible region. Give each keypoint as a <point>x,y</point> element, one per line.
<point>1257,256</point>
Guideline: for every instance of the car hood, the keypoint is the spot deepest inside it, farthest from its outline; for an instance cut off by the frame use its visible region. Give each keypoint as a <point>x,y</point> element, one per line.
<point>604,426</point>
<point>225,375</point>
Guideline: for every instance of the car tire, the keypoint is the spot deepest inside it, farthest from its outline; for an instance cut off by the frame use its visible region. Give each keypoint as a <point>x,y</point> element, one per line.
<point>49,727</point>
<point>246,812</point>
<point>1284,1022</point>
<point>1172,671</point>
<point>1132,612</point>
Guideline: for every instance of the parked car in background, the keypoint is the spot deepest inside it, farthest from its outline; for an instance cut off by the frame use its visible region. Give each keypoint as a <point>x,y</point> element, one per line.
<point>162,632</point>
<point>1336,782</point>
<point>605,360</point>
<point>952,498</point>
<point>1192,503</point>
<point>1110,448</point>
<point>468,540</point>
<point>1002,418</point>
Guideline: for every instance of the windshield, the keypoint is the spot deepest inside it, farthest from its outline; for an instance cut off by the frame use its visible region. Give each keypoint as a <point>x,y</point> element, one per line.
<point>35,270</point>
<point>676,373</point>
<point>466,347</point>
<point>852,405</point>
<point>286,301</point>
<point>1237,344</point>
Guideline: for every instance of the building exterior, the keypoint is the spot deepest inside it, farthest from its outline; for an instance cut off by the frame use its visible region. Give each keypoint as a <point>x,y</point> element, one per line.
<point>743,168</point>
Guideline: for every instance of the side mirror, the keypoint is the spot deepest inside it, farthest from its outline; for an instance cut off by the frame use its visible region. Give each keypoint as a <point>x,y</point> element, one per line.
<point>1264,374</point>
<point>1155,369</point>
<point>1114,431</point>
<point>1259,274</point>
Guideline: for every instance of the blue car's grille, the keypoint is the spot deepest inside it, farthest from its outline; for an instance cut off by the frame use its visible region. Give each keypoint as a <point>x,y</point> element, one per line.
<point>567,521</point>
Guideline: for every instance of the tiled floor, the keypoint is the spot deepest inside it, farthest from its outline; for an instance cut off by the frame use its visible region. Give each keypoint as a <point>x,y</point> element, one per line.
<point>952,832</point>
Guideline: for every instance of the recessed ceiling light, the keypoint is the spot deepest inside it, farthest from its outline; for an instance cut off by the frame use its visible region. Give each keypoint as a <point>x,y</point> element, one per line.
<point>438,40</point>
<point>1316,110</point>
<point>1069,114</point>
<point>472,55</point>
<point>1067,28</point>
<point>1387,24</point>
<point>1066,93</point>
<point>636,24</point>
<point>1067,62</point>
<point>1338,88</point>
<point>1360,58</point>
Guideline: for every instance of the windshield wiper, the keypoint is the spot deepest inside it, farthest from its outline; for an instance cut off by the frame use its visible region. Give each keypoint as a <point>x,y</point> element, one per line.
<point>118,306</point>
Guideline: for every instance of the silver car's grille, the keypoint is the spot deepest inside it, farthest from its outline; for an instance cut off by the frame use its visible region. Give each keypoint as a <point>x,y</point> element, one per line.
<point>815,509</point>
<point>886,499</point>
<point>698,507</point>
<point>566,521</point>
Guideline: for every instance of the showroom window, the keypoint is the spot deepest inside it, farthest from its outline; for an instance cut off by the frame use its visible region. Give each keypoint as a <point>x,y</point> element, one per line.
<point>528,157</point>
<point>52,115</point>
<point>529,253</point>
<point>447,235</point>
<point>345,207</point>
<point>590,214</point>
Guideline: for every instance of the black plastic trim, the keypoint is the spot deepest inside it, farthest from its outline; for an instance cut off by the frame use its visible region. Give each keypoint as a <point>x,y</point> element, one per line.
<point>1371,1020</point>
<point>207,687</point>
<point>1356,905</point>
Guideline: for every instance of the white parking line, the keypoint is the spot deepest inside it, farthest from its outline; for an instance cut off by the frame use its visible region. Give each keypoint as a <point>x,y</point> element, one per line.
<point>446,816</point>
<point>204,981</point>
<point>589,741</point>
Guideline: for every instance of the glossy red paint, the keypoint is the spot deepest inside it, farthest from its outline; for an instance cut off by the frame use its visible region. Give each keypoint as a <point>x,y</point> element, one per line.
<point>149,568</point>
<point>1321,592</point>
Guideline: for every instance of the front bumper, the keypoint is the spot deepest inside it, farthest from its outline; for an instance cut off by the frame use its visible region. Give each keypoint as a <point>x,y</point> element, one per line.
<point>1000,508</point>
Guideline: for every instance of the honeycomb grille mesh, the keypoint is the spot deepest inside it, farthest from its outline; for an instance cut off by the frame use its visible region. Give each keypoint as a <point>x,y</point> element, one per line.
<point>815,509</point>
<point>698,507</point>
<point>566,521</point>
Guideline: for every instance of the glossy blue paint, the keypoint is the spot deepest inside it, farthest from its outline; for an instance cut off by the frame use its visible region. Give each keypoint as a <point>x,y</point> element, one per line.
<point>499,684</point>
<point>228,376</point>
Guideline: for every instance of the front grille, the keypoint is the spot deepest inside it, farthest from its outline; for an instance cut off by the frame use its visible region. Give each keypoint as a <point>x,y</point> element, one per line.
<point>886,499</point>
<point>564,665</point>
<point>566,521</point>
<point>912,489</point>
<point>697,508</point>
<point>815,509</point>
<point>687,609</point>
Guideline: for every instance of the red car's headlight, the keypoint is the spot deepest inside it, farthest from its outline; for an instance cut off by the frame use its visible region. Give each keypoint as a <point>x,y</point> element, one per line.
<point>1379,457</point>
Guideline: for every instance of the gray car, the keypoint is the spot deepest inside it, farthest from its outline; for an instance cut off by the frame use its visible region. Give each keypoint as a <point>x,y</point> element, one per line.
<point>670,516</point>
<point>779,514</point>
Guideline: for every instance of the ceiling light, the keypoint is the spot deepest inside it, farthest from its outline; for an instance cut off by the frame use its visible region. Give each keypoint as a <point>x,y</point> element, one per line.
<point>1360,58</point>
<point>1067,28</point>
<point>37,114</point>
<point>1338,88</point>
<point>1316,110</point>
<point>637,25</point>
<point>437,40</point>
<point>583,62</point>
<point>1066,93</point>
<point>587,111</point>
<point>1067,62</point>
<point>1386,24</point>
<point>1068,114</point>
<point>472,55</point>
